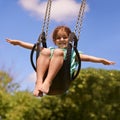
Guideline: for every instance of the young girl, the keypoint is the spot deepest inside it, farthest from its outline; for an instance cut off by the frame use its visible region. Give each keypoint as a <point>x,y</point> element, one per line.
<point>52,59</point>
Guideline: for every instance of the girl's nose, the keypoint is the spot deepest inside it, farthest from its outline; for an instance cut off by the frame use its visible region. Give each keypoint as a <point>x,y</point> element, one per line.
<point>62,38</point>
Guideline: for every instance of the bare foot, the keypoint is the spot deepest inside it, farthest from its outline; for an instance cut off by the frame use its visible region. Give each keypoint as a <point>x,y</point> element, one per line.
<point>40,93</point>
<point>37,92</point>
<point>45,87</point>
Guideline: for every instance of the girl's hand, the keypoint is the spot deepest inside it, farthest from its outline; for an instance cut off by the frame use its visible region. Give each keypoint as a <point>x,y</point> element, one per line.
<point>107,62</point>
<point>13,42</point>
<point>20,43</point>
<point>96,59</point>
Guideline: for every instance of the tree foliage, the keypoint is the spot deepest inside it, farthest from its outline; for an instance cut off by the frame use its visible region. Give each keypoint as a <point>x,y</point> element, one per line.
<point>94,95</point>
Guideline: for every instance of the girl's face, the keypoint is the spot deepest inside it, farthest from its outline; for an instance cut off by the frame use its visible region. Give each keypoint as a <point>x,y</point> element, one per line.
<point>61,39</point>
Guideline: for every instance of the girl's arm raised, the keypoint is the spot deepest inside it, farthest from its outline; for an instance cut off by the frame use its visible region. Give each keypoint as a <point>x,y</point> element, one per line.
<point>96,59</point>
<point>20,43</point>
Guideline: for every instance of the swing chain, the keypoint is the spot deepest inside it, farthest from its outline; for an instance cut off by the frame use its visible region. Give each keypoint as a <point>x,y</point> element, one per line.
<point>78,23</point>
<point>80,19</point>
<point>47,18</point>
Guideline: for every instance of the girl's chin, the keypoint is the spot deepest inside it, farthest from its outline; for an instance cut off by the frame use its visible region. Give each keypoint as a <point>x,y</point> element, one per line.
<point>63,47</point>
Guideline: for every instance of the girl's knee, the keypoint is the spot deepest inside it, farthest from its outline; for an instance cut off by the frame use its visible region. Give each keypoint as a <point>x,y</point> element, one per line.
<point>45,51</point>
<point>58,52</point>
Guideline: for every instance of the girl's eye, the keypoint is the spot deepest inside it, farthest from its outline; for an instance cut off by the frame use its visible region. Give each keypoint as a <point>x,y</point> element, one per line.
<point>58,37</point>
<point>65,37</point>
<point>62,36</point>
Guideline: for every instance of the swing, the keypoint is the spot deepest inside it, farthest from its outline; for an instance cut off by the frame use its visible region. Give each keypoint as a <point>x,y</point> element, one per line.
<point>61,82</point>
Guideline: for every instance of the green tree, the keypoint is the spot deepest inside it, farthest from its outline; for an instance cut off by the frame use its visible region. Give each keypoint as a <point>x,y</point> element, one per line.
<point>94,95</point>
<point>97,93</point>
<point>5,86</point>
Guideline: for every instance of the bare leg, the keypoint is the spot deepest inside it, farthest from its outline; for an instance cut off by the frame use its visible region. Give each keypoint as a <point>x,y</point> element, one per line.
<point>54,66</point>
<point>42,65</point>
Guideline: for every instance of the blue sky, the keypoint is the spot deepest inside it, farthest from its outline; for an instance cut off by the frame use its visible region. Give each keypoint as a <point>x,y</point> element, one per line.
<point>23,19</point>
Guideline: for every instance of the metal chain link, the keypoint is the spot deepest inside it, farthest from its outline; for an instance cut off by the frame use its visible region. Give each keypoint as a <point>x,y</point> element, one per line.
<point>78,23</point>
<point>80,19</point>
<point>47,18</point>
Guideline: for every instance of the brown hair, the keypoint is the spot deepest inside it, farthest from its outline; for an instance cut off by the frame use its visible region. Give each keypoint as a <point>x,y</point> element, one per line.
<point>60,29</point>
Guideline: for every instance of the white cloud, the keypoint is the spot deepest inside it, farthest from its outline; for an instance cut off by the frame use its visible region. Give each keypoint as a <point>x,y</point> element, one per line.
<point>61,10</point>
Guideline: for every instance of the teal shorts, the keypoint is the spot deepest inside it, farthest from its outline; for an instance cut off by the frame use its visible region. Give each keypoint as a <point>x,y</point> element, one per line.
<point>73,61</point>
<point>52,50</point>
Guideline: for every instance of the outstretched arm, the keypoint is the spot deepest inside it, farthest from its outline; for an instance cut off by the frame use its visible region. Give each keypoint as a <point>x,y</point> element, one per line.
<point>96,59</point>
<point>20,43</point>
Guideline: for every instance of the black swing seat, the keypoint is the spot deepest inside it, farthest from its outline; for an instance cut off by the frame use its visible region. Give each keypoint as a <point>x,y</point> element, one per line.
<point>62,81</point>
